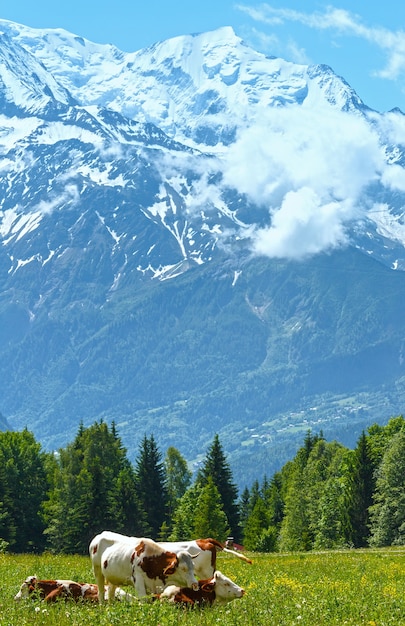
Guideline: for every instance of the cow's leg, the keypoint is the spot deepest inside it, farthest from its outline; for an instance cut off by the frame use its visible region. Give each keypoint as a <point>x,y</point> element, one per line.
<point>111,592</point>
<point>139,585</point>
<point>98,574</point>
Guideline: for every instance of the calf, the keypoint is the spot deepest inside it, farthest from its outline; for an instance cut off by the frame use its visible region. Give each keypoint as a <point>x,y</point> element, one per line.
<point>52,590</point>
<point>205,551</point>
<point>219,590</point>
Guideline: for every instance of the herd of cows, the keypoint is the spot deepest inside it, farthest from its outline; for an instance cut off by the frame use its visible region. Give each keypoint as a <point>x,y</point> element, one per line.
<point>180,572</point>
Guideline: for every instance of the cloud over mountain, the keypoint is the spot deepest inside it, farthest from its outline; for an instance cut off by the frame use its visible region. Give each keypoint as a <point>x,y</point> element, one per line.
<point>312,168</point>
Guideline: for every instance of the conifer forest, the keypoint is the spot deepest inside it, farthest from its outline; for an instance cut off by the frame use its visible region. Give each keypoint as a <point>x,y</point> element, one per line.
<point>328,496</point>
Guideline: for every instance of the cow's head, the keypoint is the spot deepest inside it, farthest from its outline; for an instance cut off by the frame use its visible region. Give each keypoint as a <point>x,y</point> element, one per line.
<point>225,588</point>
<point>26,588</point>
<point>186,569</point>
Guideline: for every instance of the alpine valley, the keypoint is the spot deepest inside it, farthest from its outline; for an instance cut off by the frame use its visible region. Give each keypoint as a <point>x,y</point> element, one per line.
<point>196,239</point>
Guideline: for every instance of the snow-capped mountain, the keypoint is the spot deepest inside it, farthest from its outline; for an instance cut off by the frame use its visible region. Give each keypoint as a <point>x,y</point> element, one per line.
<point>26,85</point>
<point>212,92</point>
<point>197,88</point>
<point>159,210</point>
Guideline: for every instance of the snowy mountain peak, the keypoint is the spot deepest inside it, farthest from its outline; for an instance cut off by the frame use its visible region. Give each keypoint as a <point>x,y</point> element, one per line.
<point>24,82</point>
<point>197,88</point>
<point>149,122</point>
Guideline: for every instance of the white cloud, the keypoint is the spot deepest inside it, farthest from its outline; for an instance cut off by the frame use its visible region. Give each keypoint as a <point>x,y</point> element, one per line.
<point>311,169</point>
<point>394,177</point>
<point>200,193</point>
<point>312,166</point>
<point>302,226</point>
<point>391,125</point>
<point>342,22</point>
<point>70,195</point>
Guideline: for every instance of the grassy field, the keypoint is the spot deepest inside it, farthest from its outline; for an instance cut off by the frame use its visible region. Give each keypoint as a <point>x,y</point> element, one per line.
<point>360,587</point>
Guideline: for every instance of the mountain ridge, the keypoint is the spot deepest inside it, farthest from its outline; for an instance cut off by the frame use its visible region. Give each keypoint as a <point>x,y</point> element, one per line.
<point>203,62</point>
<point>219,248</point>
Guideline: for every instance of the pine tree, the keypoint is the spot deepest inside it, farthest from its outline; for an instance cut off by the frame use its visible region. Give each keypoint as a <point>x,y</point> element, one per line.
<point>210,519</point>
<point>151,486</point>
<point>388,512</point>
<point>23,486</point>
<point>294,532</point>
<point>89,494</point>
<point>325,494</point>
<point>274,500</point>
<point>130,517</point>
<point>328,530</point>
<point>216,467</point>
<point>256,524</point>
<point>184,515</point>
<point>178,478</point>
<point>244,510</point>
<point>360,493</point>
<point>8,528</point>
<point>379,437</point>
<point>255,494</point>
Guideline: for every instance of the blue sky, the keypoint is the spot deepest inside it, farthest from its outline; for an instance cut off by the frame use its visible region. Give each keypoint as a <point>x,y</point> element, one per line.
<point>363,41</point>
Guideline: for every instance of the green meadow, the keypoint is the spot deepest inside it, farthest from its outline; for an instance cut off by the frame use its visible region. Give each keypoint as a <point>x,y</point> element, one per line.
<point>361,587</point>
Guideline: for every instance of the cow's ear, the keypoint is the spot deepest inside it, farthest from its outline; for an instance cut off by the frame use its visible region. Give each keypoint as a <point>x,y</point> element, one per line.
<point>208,586</point>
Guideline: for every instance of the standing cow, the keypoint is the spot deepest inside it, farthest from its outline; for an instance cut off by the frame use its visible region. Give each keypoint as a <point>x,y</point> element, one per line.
<point>117,560</point>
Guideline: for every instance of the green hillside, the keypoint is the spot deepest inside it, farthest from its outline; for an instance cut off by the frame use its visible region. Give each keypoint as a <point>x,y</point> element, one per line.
<point>257,350</point>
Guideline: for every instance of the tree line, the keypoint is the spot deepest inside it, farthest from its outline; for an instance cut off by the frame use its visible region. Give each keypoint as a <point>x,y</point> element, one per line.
<point>327,496</point>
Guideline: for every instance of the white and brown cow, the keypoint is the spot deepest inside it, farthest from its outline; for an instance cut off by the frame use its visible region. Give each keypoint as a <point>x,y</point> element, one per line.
<point>218,589</point>
<point>56,589</point>
<point>205,553</point>
<point>140,562</point>
<point>99,545</point>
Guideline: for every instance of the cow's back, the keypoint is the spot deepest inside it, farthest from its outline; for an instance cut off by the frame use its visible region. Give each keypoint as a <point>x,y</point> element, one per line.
<point>203,552</point>
<point>104,540</point>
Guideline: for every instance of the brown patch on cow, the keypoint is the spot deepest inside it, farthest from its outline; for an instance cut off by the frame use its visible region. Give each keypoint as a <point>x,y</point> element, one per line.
<point>140,548</point>
<point>160,565</point>
<point>213,546</point>
<point>105,564</point>
<point>41,588</point>
<point>95,549</point>
<point>74,591</point>
<point>90,592</point>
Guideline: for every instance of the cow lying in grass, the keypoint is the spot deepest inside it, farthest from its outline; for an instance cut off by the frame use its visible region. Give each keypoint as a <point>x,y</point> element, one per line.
<point>216,590</point>
<point>52,590</point>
